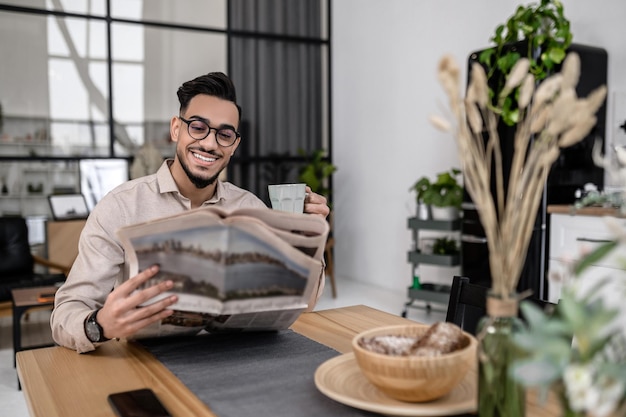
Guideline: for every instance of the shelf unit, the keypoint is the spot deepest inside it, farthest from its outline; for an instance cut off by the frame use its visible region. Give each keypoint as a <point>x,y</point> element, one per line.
<point>27,183</point>
<point>32,166</point>
<point>430,293</point>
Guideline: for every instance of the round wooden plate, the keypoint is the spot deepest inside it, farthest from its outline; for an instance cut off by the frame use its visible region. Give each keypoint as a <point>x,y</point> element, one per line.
<point>341,379</point>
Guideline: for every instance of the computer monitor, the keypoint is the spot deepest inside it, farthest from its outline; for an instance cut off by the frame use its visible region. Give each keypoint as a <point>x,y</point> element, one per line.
<point>68,206</point>
<point>99,176</point>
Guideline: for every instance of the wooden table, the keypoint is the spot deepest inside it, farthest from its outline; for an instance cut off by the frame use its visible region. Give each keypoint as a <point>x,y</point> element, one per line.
<point>59,382</point>
<point>583,211</point>
<point>25,299</point>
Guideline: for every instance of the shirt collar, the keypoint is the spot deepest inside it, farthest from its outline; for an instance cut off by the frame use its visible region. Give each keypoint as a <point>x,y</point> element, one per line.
<point>220,193</point>
<point>165,178</point>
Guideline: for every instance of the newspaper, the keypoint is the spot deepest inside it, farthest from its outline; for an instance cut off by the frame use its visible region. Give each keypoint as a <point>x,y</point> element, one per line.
<point>250,269</point>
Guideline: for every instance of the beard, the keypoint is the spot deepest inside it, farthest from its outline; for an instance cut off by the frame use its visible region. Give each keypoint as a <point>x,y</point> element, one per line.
<point>197,181</point>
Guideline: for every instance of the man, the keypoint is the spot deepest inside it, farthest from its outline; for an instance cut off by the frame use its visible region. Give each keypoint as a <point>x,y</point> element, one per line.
<point>92,306</point>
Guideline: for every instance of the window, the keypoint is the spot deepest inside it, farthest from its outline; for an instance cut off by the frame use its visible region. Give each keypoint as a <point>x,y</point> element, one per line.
<point>97,78</point>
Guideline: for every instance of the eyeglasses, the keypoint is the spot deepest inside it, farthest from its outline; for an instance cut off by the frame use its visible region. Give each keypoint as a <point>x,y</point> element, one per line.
<point>199,129</point>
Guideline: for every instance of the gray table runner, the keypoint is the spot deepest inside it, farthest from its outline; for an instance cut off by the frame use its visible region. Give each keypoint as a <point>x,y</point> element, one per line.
<point>252,374</point>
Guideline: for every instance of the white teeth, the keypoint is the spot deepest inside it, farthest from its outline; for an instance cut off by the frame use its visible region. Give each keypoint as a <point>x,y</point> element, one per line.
<point>205,159</point>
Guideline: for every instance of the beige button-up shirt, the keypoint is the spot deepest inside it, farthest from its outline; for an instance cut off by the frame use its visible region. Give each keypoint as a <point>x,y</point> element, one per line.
<point>101,262</point>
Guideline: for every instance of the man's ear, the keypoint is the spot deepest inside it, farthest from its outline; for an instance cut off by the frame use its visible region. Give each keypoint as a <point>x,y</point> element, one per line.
<point>175,128</point>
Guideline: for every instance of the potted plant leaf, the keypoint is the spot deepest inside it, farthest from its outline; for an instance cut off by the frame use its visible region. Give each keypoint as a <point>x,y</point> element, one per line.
<point>444,195</point>
<point>445,246</point>
<point>316,172</point>
<point>539,32</point>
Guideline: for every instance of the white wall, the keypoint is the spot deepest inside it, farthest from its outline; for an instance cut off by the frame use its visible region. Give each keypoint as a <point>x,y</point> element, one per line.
<point>385,55</point>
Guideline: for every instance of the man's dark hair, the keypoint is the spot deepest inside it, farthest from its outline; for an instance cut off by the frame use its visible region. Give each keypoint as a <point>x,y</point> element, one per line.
<point>215,84</point>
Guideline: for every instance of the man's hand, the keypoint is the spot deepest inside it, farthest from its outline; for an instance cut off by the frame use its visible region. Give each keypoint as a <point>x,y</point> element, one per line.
<point>315,203</point>
<point>121,315</point>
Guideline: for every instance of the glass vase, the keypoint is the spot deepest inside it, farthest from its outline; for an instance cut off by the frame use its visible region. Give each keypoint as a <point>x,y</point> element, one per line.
<point>498,394</point>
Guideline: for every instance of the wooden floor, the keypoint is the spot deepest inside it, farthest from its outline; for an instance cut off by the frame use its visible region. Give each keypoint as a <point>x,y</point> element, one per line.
<point>35,331</point>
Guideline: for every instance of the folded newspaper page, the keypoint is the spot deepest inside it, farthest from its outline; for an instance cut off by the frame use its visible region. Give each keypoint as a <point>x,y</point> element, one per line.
<point>251,269</point>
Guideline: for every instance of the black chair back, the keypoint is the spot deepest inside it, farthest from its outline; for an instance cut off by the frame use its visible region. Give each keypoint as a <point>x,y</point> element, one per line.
<point>15,256</point>
<point>16,261</point>
<point>467,304</point>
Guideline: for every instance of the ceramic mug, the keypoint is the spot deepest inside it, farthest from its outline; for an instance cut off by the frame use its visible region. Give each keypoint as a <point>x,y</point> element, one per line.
<point>287,197</point>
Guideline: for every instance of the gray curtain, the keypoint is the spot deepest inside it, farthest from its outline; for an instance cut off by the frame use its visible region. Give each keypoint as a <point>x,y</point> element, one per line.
<point>276,63</point>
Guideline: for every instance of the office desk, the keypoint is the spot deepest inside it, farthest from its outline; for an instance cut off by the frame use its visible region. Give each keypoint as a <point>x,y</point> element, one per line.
<point>59,382</point>
<point>25,299</point>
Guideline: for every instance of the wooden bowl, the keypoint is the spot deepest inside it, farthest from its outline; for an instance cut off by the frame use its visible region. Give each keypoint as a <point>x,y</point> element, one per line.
<point>413,378</point>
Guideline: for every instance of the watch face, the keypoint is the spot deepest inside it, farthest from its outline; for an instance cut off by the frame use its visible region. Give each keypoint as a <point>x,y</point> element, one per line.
<point>93,330</point>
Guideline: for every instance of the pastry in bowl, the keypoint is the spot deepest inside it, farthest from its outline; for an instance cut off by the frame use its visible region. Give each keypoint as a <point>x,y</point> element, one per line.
<point>415,363</point>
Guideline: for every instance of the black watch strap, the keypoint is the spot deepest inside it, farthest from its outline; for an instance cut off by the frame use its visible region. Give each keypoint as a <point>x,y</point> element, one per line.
<point>93,330</point>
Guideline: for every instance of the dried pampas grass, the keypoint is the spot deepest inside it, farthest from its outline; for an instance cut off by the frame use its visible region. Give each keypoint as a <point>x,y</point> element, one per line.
<point>551,117</point>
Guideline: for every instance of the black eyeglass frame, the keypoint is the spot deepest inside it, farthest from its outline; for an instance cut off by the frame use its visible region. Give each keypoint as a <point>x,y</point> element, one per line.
<point>217,131</point>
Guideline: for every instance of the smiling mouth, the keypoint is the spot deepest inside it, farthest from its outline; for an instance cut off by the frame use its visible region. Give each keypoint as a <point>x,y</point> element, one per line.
<point>203,158</point>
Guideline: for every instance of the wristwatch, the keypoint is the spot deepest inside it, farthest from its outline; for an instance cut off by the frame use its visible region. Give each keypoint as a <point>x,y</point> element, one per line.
<point>93,330</point>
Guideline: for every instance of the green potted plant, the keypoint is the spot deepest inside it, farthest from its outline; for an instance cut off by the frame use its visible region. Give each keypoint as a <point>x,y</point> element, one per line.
<point>445,246</point>
<point>542,31</point>
<point>444,195</point>
<point>317,170</point>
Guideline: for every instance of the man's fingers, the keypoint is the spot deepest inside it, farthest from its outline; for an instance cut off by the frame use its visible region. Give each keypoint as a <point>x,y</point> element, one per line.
<point>154,307</point>
<point>128,296</point>
<point>133,320</point>
<point>141,296</point>
<point>141,278</point>
<point>135,326</point>
<point>315,203</point>
<point>314,198</point>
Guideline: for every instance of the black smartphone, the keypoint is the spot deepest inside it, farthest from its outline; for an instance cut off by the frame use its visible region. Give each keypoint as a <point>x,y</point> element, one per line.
<point>137,403</point>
